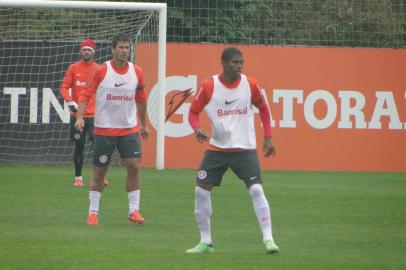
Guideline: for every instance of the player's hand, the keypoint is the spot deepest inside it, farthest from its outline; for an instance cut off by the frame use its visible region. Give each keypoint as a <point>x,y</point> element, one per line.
<point>144,132</point>
<point>269,148</point>
<point>201,135</point>
<point>73,106</point>
<point>79,124</point>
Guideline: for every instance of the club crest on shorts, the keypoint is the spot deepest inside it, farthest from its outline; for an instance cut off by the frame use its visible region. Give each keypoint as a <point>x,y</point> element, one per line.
<point>76,136</point>
<point>202,174</point>
<point>103,159</point>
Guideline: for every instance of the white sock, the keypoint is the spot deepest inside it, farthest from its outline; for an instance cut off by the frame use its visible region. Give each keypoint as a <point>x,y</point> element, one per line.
<point>78,177</point>
<point>262,210</point>
<point>133,201</point>
<point>94,198</point>
<point>203,213</point>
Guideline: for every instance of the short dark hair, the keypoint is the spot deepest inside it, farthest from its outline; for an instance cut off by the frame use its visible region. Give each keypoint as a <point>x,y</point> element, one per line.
<point>230,52</point>
<point>121,37</point>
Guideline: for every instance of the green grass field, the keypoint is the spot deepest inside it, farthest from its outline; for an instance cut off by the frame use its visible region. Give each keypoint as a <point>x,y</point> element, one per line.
<point>321,220</point>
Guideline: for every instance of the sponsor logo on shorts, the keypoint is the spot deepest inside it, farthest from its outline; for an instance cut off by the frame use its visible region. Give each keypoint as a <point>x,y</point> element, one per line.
<point>202,174</point>
<point>76,136</point>
<point>103,159</point>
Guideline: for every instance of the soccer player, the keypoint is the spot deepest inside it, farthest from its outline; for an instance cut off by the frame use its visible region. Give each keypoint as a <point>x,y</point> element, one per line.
<point>75,78</point>
<point>228,100</point>
<point>119,89</point>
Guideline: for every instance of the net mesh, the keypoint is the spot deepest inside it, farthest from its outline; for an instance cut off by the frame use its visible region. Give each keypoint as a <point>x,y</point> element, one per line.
<point>36,48</point>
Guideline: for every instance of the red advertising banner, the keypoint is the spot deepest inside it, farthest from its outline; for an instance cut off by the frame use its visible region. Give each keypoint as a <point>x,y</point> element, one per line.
<point>335,109</point>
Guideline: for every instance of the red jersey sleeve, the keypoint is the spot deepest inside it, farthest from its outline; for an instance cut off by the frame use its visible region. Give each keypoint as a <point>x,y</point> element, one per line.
<point>265,117</point>
<point>140,95</point>
<point>256,95</point>
<point>193,120</point>
<point>258,101</point>
<point>203,96</point>
<point>89,90</point>
<point>67,83</point>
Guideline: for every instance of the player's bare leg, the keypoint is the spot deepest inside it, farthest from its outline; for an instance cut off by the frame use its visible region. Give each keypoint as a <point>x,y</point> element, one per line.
<point>98,176</point>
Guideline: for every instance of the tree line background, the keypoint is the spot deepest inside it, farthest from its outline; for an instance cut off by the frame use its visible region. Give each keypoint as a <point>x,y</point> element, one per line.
<point>350,23</point>
<point>343,23</point>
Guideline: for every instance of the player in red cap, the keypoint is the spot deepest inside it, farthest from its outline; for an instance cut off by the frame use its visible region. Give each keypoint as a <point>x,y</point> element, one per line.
<point>75,78</point>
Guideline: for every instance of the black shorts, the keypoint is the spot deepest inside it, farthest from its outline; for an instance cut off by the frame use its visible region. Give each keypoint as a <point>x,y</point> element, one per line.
<point>77,136</point>
<point>128,146</point>
<point>244,164</point>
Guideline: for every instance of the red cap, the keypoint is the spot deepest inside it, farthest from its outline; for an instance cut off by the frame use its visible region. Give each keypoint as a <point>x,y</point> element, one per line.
<point>88,44</point>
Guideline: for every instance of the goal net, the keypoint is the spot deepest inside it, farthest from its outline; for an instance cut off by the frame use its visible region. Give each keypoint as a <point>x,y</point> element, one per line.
<point>38,41</point>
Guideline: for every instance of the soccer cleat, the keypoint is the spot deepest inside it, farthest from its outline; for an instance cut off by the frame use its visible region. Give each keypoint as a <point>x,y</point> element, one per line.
<point>271,247</point>
<point>201,248</point>
<point>78,183</point>
<point>92,219</point>
<point>136,217</point>
<point>105,182</point>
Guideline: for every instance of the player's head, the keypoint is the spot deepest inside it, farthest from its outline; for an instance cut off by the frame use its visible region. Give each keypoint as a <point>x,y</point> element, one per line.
<point>121,46</point>
<point>232,61</point>
<point>120,38</point>
<point>87,50</point>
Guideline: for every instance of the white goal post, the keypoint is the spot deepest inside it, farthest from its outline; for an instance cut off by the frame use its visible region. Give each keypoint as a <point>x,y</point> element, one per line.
<point>125,7</point>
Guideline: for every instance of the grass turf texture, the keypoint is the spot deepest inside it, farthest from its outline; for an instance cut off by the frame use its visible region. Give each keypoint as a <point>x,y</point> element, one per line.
<point>321,220</point>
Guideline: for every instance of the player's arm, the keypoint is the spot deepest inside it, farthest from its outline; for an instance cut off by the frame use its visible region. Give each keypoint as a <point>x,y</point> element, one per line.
<point>80,122</point>
<point>258,101</point>
<point>141,101</point>
<point>201,99</point>
<point>268,147</point>
<point>86,93</point>
<point>67,83</point>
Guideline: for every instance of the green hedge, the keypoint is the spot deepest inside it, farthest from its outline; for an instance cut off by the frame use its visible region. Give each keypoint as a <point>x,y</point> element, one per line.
<point>343,23</point>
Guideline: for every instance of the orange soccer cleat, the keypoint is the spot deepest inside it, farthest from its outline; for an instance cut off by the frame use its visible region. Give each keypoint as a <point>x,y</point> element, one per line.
<point>92,219</point>
<point>136,217</point>
<point>78,183</point>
